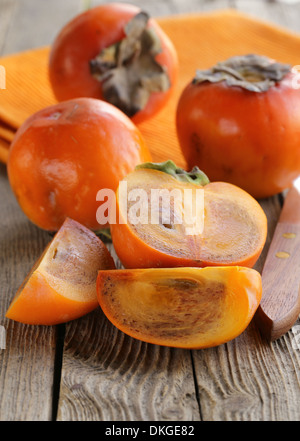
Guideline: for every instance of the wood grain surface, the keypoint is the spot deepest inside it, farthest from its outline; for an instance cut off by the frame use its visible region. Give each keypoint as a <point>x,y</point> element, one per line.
<point>87,370</point>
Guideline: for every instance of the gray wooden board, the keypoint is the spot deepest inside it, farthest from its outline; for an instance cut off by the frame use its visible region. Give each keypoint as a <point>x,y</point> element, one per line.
<point>88,370</point>
<point>27,363</point>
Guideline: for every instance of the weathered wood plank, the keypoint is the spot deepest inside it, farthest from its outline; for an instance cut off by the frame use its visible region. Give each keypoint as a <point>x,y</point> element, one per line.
<point>158,8</point>
<point>281,13</point>
<point>105,374</point>
<point>291,14</point>
<point>36,23</point>
<point>249,379</point>
<point>27,363</point>
<point>6,12</point>
<point>109,376</point>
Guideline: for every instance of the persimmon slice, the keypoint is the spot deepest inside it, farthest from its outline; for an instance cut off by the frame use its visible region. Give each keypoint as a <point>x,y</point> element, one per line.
<point>234,233</point>
<point>180,307</point>
<point>62,284</point>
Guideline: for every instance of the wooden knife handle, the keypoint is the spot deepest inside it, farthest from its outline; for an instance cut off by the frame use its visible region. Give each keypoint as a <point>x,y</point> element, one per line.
<point>280,304</point>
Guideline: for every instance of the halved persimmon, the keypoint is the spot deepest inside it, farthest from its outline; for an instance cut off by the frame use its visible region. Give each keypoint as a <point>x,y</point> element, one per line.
<point>62,284</point>
<point>234,224</point>
<point>190,308</point>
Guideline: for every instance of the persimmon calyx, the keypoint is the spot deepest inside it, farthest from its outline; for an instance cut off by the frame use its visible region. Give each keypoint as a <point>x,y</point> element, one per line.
<point>128,71</point>
<point>195,176</point>
<point>255,73</point>
<point>104,234</point>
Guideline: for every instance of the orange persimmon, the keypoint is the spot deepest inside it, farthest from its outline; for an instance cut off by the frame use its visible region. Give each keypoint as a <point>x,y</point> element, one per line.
<point>64,154</point>
<point>62,284</point>
<point>190,308</point>
<point>239,122</point>
<point>235,226</point>
<point>117,53</point>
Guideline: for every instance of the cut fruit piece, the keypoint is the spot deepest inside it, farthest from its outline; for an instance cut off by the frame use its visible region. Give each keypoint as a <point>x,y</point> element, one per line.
<point>190,308</point>
<point>234,224</point>
<point>62,284</point>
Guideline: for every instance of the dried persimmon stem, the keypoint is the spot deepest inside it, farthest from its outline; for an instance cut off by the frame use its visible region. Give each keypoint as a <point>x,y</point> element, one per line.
<point>252,72</point>
<point>128,71</point>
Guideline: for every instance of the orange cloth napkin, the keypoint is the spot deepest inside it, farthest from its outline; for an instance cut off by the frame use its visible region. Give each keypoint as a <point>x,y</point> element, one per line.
<point>200,39</point>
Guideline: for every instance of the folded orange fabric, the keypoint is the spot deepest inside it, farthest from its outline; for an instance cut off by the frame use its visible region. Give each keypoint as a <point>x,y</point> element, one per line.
<point>7,133</point>
<point>4,146</point>
<point>200,39</point>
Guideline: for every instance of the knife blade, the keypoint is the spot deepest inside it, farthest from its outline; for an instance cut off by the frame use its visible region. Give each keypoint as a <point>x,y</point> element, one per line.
<point>280,304</point>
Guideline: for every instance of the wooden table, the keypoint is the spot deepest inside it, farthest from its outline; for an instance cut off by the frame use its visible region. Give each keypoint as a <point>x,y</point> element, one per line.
<point>87,370</point>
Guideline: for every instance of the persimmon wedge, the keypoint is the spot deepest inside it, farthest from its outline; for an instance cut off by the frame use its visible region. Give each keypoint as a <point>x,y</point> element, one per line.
<point>62,284</point>
<point>190,308</point>
<point>234,224</point>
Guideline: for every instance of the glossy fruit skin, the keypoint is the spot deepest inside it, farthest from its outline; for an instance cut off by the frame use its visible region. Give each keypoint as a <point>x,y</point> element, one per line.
<point>248,139</point>
<point>64,154</point>
<point>43,305</point>
<point>82,39</point>
<point>61,286</point>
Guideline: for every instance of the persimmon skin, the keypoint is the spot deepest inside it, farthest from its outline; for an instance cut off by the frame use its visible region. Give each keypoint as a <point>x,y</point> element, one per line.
<point>248,139</point>
<point>64,154</point>
<point>40,304</point>
<point>51,294</point>
<point>84,37</point>
<point>190,308</point>
<point>135,251</point>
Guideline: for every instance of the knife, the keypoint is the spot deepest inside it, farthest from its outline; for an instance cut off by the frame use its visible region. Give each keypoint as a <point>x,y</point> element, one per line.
<point>280,304</point>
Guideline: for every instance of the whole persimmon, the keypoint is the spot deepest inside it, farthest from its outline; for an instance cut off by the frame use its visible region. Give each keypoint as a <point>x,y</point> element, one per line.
<point>240,122</point>
<point>117,53</point>
<point>64,154</point>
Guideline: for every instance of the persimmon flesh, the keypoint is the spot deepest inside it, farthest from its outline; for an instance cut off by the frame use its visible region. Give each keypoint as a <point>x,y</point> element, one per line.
<point>62,284</point>
<point>234,233</point>
<point>190,308</point>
